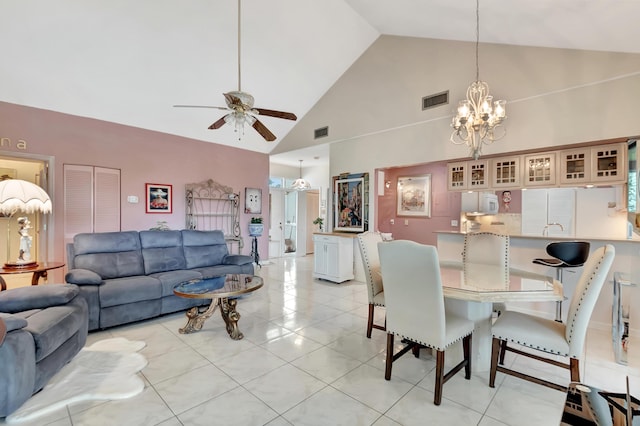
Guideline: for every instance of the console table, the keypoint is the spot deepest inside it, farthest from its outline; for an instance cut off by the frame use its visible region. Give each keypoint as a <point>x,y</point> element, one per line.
<point>38,271</point>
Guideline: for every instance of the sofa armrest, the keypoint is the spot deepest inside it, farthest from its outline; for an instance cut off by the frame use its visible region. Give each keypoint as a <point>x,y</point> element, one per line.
<point>10,322</point>
<point>36,297</point>
<point>237,259</point>
<point>82,276</point>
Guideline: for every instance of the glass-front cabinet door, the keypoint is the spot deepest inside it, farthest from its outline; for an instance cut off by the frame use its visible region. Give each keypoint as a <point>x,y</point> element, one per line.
<point>478,174</point>
<point>575,166</point>
<point>540,169</point>
<point>506,172</point>
<point>456,176</point>
<point>608,163</point>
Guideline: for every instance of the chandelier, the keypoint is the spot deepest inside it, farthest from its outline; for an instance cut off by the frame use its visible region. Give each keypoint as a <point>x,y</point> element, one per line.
<point>300,184</point>
<point>479,117</point>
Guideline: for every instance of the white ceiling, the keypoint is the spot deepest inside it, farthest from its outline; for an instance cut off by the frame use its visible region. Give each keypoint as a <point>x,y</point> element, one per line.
<point>129,61</point>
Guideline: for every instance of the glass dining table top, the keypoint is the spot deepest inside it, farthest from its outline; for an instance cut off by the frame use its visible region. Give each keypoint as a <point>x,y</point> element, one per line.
<point>489,283</point>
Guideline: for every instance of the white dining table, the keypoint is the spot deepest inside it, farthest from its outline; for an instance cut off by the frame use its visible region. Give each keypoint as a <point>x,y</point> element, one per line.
<point>470,289</point>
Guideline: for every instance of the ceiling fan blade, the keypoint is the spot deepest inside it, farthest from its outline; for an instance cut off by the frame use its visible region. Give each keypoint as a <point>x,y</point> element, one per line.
<point>200,106</point>
<point>266,133</point>
<point>277,114</point>
<point>218,123</point>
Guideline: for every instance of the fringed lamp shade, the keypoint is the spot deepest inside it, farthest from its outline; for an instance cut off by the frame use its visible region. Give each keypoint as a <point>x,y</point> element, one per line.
<point>20,195</point>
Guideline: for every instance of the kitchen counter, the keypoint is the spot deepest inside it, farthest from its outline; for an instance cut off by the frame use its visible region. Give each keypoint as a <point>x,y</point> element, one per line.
<point>338,234</point>
<point>636,238</point>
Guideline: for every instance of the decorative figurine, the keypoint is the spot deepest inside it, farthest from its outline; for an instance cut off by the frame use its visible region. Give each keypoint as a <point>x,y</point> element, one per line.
<point>25,240</point>
<point>506,200</point>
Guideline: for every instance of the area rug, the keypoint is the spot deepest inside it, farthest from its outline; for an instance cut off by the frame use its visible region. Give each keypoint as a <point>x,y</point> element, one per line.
<point>103,371</point>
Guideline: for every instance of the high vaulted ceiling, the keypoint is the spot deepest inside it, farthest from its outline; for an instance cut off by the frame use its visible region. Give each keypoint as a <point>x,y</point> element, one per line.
<point>129,61</point>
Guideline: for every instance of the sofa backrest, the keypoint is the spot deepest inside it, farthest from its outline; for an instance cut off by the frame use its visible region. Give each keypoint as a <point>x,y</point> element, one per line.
<point>109,254</point>
<point>203,248</point>
<point>162,251</point>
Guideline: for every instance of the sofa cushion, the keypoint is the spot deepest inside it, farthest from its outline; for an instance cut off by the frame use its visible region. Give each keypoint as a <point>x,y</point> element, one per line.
<point>204,248</point>
<point>237,259</point>
<point>162,251</point>
<point>105,242</point>
<point>36,297</point>
<point>53,326</point>
<point>109,254</point>
<point>82,276</point>
<point>121,291</point>
<point>170,279</point>
<point>13,322</point>
<point>112,265</point>
<point>216,271</point>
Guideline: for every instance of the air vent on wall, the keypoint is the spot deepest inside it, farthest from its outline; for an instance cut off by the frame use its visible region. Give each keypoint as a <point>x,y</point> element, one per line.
<point>321,132</point>
<point>438,99</point>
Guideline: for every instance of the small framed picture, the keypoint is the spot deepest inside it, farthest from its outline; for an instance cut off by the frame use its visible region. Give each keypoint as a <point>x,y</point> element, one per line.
<point>159,198</point>
<point>253,200</point>
<point>414,196</point>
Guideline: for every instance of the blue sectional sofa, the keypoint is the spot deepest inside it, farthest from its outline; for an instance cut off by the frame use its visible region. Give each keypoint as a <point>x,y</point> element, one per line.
<point>42,328</point>
<point>129,276</point>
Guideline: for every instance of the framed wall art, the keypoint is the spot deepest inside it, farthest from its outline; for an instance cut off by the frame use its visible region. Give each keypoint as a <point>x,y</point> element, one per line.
<point>351,202</point>
<point>253,200</point>
<point>414,196</point>
<point>159,198</point>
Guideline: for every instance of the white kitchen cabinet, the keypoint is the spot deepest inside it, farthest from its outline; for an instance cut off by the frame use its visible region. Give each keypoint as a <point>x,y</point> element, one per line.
<point>549,212</point>
<point>468,175</point>
<point>608,163</point>
<point>575,166</point>
<point>506,172</point>
<point>333,257</point>
<point>540,169</point>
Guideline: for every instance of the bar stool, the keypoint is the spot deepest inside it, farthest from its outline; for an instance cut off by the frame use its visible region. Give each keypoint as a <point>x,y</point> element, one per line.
<point>565,254</point>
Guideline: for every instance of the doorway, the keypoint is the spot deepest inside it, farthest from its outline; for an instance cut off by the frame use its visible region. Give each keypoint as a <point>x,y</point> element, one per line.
<point>34,169</point>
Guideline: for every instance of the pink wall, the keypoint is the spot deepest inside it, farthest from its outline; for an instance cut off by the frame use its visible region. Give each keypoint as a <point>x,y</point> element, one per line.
<point>445,205</point>
<point>141,155</point>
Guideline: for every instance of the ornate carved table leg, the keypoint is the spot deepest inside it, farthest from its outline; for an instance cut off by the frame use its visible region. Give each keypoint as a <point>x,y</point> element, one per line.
<point>231,317</point>
<point>196,317</point>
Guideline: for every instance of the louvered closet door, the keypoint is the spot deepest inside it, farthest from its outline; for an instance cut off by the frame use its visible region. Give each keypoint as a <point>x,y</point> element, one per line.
<point>91,200</point>
<point>106,200</point>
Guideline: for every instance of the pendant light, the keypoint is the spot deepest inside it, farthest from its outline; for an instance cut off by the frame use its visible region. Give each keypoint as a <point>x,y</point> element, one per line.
<point>300,184</point>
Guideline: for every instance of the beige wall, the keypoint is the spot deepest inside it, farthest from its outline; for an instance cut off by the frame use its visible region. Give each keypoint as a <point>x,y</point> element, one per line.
<point>554,97</point>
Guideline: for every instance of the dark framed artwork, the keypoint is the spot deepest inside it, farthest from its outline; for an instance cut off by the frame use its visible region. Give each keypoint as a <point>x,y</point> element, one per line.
<point>414,196</point>
<point>253,200</point>
<point>159,198</point>
<point>351,202</point>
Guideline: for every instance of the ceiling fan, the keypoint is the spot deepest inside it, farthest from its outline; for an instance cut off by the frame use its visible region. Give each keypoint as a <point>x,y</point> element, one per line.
<point>241,109</point>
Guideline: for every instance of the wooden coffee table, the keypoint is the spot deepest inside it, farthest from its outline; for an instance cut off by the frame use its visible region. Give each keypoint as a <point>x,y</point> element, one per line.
<point>223,292</point>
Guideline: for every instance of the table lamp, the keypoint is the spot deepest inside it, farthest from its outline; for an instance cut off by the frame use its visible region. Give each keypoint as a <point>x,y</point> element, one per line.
<point>19,195</point>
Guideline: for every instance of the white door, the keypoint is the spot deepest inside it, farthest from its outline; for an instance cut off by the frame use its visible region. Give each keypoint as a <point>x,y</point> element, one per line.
<point>276,228</point>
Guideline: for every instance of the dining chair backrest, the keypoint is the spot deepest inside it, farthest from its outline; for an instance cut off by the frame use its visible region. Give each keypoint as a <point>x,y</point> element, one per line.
<point>368,243</point>
<point>413,291</point>
<point>487,248</point>
<point>585,295</point>
<point>573,253</point>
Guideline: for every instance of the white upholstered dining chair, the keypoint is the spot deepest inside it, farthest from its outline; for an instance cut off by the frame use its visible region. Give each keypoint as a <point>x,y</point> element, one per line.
<point>488,248</point>
<point>549,336</point>
<point>415,308</point>
<point>368,243</point>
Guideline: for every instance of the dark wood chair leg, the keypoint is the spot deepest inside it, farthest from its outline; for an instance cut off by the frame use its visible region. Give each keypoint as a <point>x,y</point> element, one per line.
<point>416,350</point>
<point>389,361</point>
<point>495,352</point>
<point>574,369</point>
<point>437,399</point>
<point>466,347</point>
<point>503,351</point>
<point>370,320</point>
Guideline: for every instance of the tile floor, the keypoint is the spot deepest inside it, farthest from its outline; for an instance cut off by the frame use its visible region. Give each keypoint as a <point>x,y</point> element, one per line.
<point>305,360</point>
